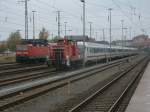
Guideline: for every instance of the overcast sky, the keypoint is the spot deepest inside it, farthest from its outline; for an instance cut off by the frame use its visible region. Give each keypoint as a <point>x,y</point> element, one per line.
<point>135,13</point>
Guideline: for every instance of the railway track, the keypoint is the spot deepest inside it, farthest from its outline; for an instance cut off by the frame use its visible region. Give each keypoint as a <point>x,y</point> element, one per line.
<point>25,68</point>
<point>26,77</point>
<point>6,63</point>
<point>12,76</point>
<point>109,97</point>
<point>14,65</point>
<point>14,95</point>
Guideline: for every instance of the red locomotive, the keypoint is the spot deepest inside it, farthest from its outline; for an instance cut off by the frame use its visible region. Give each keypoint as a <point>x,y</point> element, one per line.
<point>32,50</point>
<point>64,54</point>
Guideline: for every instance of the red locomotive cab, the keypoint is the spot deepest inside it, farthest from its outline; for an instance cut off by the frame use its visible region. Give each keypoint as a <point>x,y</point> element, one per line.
<point>64,53</point>
<point>65,41</point>
<point>30,47</point>
<point>51,52</point>
<point>74,49</point>
<point>22,50</point>
<point>66,49</point>
<point>70,52</point>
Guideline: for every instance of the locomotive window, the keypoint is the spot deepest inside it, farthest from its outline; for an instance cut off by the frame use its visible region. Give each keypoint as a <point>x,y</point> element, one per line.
<point>99,50</point>
<point>91,50</point>
<point>21,47</point>
<point>81,49</point>
<point>103,50</point>
<point>88,49</point>
<point>94,50</point>
<point>113,50</point>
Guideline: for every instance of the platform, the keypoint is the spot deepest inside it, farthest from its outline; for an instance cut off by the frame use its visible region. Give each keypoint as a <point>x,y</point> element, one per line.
<point>140,102</point>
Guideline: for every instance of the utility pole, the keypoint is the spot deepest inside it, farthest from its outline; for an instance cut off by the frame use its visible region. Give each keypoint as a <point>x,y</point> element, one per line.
<point>69,31</point>
<point>33,12</point>
<point>65,29</point>
<point>110,9</point>
<point>52,36</point>
<point>58,16</point>
<point>130,31</point>
<point>83,1</point>
<point>90,29</point>
<point>125,36</point>
<point>26,17</point>
<point>103,30</point>
<point>122,21</point>
<point>96,36</point>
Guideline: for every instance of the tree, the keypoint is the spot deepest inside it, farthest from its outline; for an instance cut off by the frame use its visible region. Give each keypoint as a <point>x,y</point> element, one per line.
<point>43,34</point>
<point>13,40</point>
<point>3,47</point>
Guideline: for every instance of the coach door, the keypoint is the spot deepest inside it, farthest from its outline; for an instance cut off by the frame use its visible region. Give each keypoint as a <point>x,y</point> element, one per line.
<point>58,57</point>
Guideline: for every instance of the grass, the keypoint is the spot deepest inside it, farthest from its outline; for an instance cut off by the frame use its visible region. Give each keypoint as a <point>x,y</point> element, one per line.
<point>7,58</point>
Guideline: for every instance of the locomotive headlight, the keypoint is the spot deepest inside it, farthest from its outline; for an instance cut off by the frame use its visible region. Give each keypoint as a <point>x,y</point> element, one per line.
<point>67,57</point>
<point>68,60</point>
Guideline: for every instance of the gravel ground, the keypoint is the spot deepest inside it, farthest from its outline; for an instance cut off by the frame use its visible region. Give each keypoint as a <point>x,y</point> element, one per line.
<point>51,100</point>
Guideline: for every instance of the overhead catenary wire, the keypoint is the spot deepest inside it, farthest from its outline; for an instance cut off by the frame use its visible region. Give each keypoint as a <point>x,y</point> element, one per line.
<point>45,17</point>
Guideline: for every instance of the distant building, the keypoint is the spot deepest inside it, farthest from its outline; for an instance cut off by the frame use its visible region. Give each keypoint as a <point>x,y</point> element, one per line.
<point>126,43</point>
<point>141,41</point>
<point>129,43</point>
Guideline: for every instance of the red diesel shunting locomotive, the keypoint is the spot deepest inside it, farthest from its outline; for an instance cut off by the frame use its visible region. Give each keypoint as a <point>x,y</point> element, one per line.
<point>65,54</point>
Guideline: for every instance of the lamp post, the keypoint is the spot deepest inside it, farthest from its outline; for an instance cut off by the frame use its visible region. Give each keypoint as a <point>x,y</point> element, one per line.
<point>83,1</point>
<point>122,21</point>
<point>65,28</point>
<point>110,9</point>
<point>58,16</point>
<point>90,29</point>
<point>33,12</point>
<point>125,37</point>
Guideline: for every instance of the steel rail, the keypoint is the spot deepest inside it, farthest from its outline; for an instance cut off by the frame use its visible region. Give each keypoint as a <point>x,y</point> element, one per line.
<point>101,90</point>
<point>32,90</point>
<point>22,69</point>
<point>116,104</point>
<point>26,77</point>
